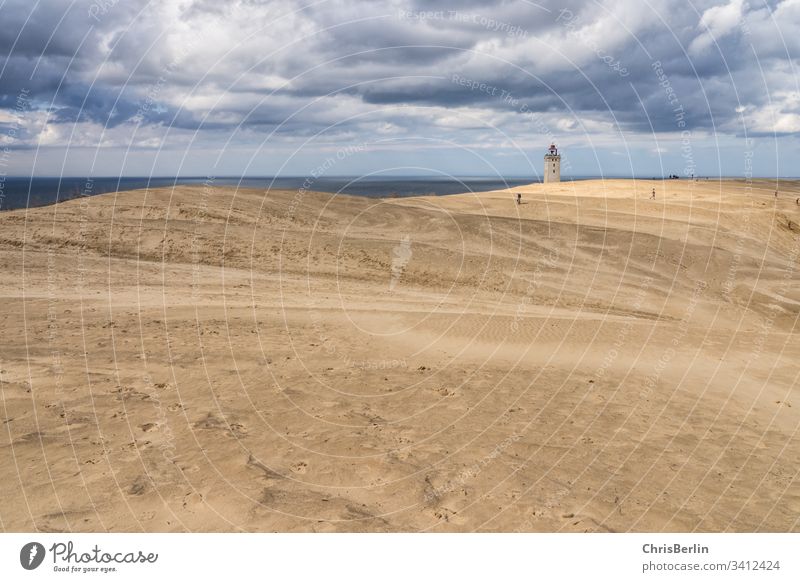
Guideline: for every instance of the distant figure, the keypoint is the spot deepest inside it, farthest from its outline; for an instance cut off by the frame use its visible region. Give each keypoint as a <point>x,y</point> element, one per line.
<point>797,201</point>
<point>519,198</point>
<point>653,195</point>
<point>776,193</point>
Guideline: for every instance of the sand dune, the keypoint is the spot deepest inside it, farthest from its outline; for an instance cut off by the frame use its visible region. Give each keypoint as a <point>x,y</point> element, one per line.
<point>206,359</point>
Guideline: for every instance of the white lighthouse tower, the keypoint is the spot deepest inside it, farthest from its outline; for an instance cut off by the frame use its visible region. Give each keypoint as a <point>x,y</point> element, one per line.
<point>552,165</point>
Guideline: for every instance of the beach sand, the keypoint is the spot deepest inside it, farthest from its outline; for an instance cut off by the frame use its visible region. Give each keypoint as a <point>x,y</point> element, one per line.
<point>206,359</point>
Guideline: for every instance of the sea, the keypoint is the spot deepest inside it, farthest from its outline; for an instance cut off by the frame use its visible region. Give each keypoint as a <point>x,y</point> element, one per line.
<point>26,192</point>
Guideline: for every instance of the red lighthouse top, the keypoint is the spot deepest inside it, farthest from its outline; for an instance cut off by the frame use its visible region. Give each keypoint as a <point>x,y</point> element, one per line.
<point>553,149</point>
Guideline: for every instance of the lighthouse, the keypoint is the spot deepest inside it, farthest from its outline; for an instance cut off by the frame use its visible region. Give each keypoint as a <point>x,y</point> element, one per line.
<point>552,165</point>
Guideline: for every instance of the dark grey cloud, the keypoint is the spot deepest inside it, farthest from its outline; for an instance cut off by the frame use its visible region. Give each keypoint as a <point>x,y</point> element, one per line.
<point>210,70</point>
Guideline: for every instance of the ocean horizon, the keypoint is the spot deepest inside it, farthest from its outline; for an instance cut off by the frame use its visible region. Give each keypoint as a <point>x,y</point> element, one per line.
<point>26,192</point>
<point>18,192</point>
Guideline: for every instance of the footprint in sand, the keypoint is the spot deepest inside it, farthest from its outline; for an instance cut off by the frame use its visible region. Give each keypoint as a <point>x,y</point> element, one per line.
<point>140,486</point>
<point>585,523</point>
<point>209,422</point>
<point>192,499</point>
<point>237,430</point>
<point>444,514</point>
<point>445,392</point>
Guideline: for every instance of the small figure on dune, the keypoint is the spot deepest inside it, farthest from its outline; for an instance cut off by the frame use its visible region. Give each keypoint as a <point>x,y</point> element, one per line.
<point>776,193</point>
<point>519,198</point>
<point>797,201</point>
<point>653,195</point>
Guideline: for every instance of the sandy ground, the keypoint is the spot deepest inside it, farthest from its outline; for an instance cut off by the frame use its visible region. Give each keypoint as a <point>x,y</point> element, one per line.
<point>202,359</point>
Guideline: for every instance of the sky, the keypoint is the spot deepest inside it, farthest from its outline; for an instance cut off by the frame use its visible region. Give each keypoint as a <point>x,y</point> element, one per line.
<point>333,87</point>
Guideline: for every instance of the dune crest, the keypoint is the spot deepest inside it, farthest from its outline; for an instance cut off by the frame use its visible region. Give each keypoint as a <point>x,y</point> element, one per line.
<point>206,359</point>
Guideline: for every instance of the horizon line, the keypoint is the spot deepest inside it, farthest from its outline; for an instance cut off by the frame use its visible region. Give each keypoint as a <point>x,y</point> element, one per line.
<point>388,176</point>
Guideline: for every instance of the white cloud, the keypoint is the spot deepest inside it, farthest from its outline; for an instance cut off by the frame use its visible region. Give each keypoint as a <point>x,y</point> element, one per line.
<point>781,115</point>
<point>283,72</point>
<point>7,117</point>
<point>716,23</point>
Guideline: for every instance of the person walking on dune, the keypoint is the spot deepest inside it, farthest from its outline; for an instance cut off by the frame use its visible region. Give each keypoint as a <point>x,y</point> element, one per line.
<point>519,198</point>
<point>653,195</point>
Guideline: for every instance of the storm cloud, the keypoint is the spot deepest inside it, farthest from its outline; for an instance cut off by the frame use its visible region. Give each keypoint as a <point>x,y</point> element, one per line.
<point>269,86</point>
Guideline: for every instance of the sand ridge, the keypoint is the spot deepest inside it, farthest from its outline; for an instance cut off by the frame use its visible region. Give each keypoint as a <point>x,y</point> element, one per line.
<point>213,359</point>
